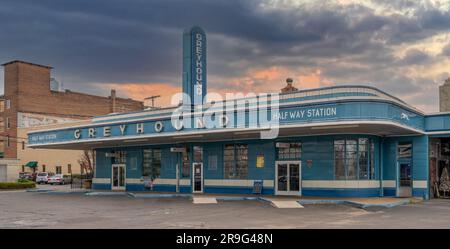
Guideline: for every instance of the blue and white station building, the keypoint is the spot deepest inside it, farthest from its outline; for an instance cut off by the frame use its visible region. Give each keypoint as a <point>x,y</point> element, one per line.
<point>333,141</point>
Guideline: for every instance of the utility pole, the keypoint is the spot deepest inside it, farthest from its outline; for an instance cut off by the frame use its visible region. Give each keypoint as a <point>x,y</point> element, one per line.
<point>152,98</point>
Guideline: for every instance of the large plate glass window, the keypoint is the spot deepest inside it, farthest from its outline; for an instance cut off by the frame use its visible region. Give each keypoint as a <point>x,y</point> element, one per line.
<point>235,161</point>
<point>339,159</point>
<point>294,151</point>
<point>186,169</point>
<point>354,159</point>
<point>151,163</point>
<point>363,158</point>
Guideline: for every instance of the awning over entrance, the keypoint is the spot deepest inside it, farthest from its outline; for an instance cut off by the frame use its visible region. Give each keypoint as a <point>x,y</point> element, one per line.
<point>32,164</point>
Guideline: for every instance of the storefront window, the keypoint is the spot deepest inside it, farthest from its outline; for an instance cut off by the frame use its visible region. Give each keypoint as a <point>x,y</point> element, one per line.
<point>235,161</point>
<point>186,169</point>
<point>354,159</point>
<point>151,164</point>
<point>228,161</point>
<point>120,157</point>
<point>372,161</point>
<point>198,154</point>
<point>363,158</point>
<point>404,150</point>
<point>351,157</point>
<point>293,152</point>
<point>339,159</point>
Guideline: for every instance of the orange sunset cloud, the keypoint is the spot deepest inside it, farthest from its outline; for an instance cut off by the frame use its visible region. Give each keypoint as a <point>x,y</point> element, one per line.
<point>261,80</point>
<point>272,79</point>
<point>140,91</point>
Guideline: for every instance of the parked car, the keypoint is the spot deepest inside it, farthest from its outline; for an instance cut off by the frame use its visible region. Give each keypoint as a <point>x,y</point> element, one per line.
<point>57,179</point>
<point>42,177</point>
<point>26,176</point>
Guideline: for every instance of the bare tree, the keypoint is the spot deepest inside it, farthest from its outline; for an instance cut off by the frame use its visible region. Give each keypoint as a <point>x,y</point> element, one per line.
<point>87,161</point>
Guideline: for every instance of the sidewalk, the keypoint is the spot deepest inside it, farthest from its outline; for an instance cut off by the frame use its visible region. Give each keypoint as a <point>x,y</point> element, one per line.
<point>276,201</point>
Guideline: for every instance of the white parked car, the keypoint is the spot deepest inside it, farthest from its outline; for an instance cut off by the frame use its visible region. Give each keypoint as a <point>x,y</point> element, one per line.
<point>43,177</point>
<point>57,179</point>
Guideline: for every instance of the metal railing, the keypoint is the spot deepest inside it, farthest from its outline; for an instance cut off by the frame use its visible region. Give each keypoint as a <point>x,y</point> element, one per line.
<point>80,181</point>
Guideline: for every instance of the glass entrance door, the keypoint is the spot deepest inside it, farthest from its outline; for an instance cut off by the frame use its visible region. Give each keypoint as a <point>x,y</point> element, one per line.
<point>118,177</point>
<point>197,177</point>
<point>287,177</point>
<point>405,180</point>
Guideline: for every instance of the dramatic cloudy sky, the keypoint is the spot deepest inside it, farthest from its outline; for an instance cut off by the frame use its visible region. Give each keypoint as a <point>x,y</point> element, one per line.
<point>402,47</point>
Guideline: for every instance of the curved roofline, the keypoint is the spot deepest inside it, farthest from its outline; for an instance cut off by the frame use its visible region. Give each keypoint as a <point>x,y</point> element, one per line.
<point>346,86</point>
<point>390,96</point>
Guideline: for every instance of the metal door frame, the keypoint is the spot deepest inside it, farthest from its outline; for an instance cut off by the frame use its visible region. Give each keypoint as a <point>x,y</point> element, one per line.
<point>118,165</point>
<point>399,162</point>
<point>288,192</point>
<point>193,177</point>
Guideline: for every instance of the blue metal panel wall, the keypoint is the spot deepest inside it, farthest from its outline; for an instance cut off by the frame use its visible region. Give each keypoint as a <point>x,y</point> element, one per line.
<point>168,163</point>
<point>390,159</point>
<point>134,163</point>
<point>213,149</point>
<point>320,151</point>
<point>439,122</point>
<point>103,164</point>
<point>267,149</point>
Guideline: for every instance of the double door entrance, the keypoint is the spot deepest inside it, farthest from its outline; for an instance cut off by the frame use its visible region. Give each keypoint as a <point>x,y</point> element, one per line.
<point>118,177</point>
<point>288,178</point>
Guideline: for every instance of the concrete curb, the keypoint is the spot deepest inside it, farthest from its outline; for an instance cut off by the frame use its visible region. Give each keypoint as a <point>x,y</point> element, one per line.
<point>106,194</point>
<point>355,204</point>
<point>155,196</point>
<point>66,192</point>
<point>39,190</point>
<point>263,199</point>
<point>237,198</point>
<point>13,191</point>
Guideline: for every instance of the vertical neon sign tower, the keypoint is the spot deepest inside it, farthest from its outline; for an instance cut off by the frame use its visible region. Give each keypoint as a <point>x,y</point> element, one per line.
<point>194,66</point>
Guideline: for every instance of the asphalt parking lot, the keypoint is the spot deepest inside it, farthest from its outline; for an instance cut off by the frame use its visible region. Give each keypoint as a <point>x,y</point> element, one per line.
<point>20,209</point>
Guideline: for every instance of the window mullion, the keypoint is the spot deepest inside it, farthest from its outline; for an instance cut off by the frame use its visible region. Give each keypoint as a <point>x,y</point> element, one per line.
<point>345,159</point>
<point>357,159</point>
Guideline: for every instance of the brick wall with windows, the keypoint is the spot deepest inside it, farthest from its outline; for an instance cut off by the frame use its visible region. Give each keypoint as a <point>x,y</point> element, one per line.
<point>27,90</point>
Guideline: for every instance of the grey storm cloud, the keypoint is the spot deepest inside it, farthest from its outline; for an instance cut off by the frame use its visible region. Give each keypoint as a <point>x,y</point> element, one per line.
<point>414,57</point>
<point>140,41</point>
<point>446,50</point>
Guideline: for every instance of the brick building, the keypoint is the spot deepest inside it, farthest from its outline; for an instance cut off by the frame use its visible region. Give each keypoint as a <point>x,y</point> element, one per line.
<point>31,100</point>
